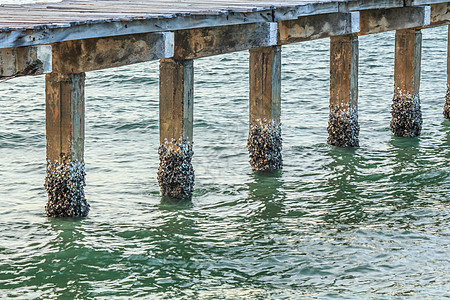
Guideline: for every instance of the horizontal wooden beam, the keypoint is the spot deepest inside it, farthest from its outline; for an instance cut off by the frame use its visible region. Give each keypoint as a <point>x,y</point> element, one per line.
<point>381,20</point>
<point>293,12</point>
<point>440,14</point>
<point>318,26</point>
<point>423,2</point>
<point>94,54</point>
<point>202,42</point>
<point>47,34</point>
<point>358,5</point>
<point>34,60</point>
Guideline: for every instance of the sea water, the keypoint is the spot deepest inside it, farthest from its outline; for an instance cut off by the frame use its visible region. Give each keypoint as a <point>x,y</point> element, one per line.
<point>369,222</point>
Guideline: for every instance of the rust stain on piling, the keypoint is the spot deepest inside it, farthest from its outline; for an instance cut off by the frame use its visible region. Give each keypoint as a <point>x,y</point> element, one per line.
<point>343,126</point>
<point>176,173</point>
<point>264,146</point>
<point>65,182</point>
<point>406,114</point>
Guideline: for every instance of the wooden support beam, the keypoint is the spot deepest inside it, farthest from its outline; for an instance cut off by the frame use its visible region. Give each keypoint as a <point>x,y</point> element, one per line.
<point>381,20</point>
<point>359,5</point>
<point>86,29</point>
<point>176,113</point>
<point>34,60</point>
<point>202,42</point>
<point>292,12</point>
<point>176,99</point>
<point>264,140</point>
<point>440,14</point>
<point>447,96</point>
<point>100,53</point>
<point>423,2</point>
<point>65,179</point>
<point>406,112</point>
<point>343,127</point>
<point>318,26</point>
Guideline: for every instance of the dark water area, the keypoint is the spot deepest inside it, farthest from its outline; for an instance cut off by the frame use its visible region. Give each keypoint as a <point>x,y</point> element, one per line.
<point>370,222</point>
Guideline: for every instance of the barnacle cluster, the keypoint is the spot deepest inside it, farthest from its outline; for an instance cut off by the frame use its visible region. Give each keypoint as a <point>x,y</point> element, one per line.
<point>65,182</point>
<point>176,173</point>
<point>447,104</point>
<point>343,126</point>
<point>264,146</point>
<point>406,114</point>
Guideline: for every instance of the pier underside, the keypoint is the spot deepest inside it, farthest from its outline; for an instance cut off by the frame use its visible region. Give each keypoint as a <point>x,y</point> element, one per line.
<point>64,40</point>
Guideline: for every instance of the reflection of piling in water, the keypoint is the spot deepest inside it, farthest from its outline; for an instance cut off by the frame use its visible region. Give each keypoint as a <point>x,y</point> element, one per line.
<point>65,183</point>
<point>176,173</point>
<point>264,146</point>
<point>406,113</point>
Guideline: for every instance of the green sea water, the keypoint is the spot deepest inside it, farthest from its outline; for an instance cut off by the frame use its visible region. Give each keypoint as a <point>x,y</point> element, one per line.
<point>364,223</point>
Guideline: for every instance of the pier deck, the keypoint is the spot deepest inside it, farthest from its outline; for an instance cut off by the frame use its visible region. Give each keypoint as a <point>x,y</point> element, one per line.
<point>66,39</point>
<point>42,23</point>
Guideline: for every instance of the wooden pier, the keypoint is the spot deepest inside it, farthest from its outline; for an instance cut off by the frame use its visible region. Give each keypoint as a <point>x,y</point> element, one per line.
<point>66,39</point>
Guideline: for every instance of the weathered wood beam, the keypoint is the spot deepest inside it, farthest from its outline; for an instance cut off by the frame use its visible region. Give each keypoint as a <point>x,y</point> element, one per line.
<point>343,127</point>
<point>176,113</point>
<point>202,42</point>
<point>47,34</point>
<point>65,145</point>
<point>406,113</point>
<point>358,5</point>
<point>100,53</point>
<point>447,96</point>
<point>34,60</point>
<point>423,2</point>
<point>318,26</point>
<point>293,12</point>
<point>381,20</point>
<point>440,14</point>
<point>264,140</point>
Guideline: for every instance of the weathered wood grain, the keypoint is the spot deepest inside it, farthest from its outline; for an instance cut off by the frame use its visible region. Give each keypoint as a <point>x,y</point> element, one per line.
<point>315,27</point>
<point>408,53</point>
<point>100,53</point>
<point>46,34</point>
<point>176,99</point>
<point>448,58</point>
<point>424,2</point>
<point>343,127</point>
<point>34,60</point>
<point>202,42</point>
<point>358,5</point>
<point>440,14</point>
<point>344,55</point>
<point>265,84</point>
<point>65,115</point>
<point>44,23</point>
<point>381,20</point>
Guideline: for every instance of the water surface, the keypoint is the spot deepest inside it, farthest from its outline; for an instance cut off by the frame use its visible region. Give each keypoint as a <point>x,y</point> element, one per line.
<point>371,222</point>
